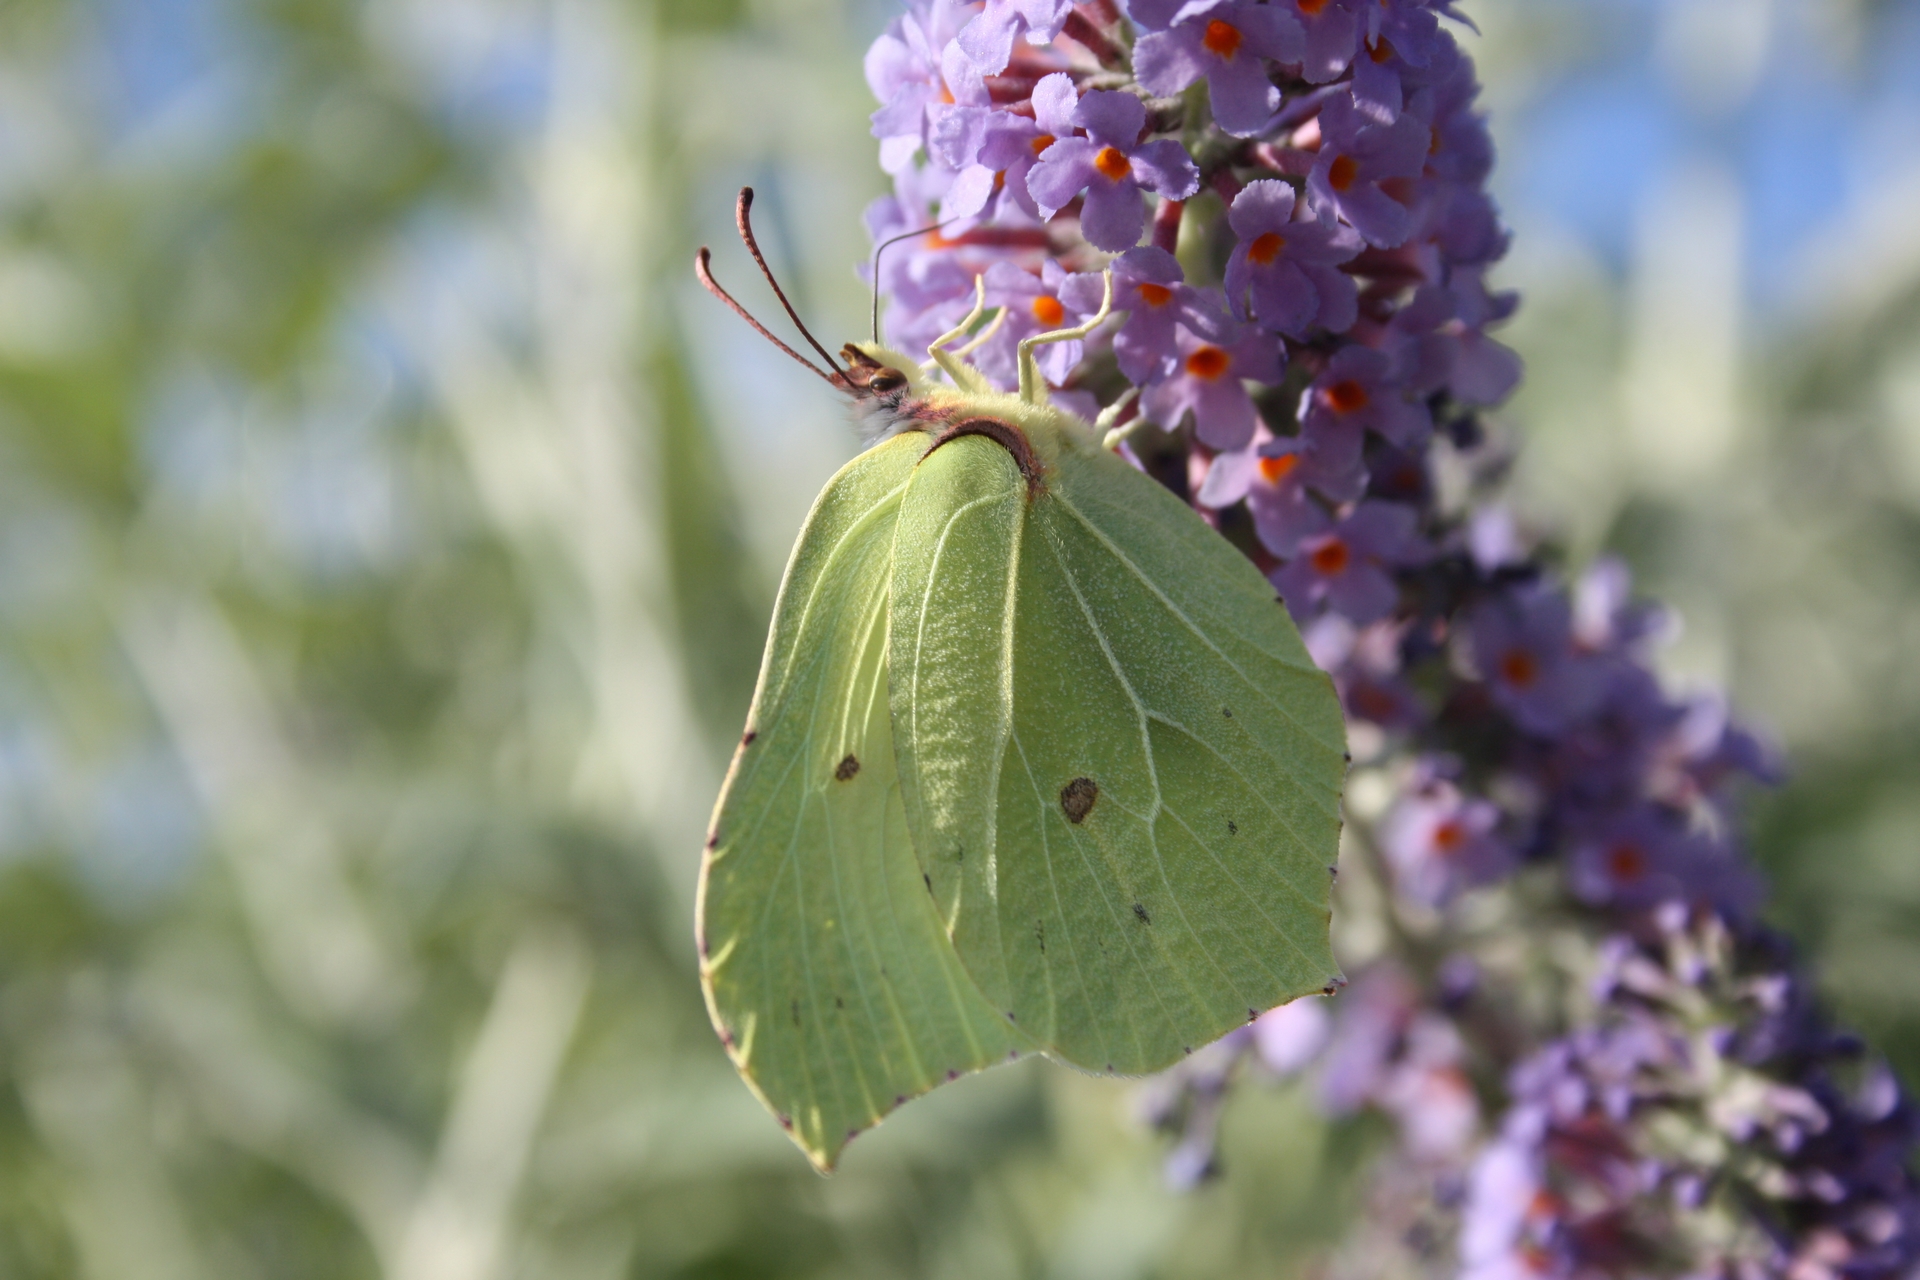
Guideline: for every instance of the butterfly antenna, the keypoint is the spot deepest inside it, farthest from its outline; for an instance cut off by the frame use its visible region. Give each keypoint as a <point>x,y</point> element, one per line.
<point>701,268</point>
<point>741,209</point>
<point>882,248</point>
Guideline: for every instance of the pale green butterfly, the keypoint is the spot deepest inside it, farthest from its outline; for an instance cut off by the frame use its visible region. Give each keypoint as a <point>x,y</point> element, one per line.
<point>1037,763</point>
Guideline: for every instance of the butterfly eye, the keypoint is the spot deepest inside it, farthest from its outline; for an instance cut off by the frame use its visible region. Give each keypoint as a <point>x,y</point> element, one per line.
<point>885,380</point>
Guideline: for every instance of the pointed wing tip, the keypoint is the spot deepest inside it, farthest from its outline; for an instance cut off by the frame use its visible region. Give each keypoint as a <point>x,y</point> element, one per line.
<point>825,1156</point>
<point>821,1156</point>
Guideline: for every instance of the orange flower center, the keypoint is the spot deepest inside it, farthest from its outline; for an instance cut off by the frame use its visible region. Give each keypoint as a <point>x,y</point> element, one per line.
<point>1312,7</point>
<point>1222,39</point>
<point>999,179</point>
<point>1347,397</point>
<point>1266,247</point>
<point>1449,836</point>
<point>1330,558</point>
<point>1380,51</point>
<point>1041,143</point>
<point>1274,470</point>
<point>1048,311</point>
<point>1113,163</point>
<point>1626,862</point>
<point>1519,669</point>
<point>1342,172</point>
<point>1155,295</point>
<point>1208,363</point>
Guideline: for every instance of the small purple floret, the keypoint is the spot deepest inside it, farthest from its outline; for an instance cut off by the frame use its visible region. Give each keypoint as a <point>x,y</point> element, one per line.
<point>1112,166</point>
<point>1209,383</point>
<point>1284,271</point>
<point>1349,568</point>
<point>988,40</point>
<point>1228,44</point>
<point>1357,156</point>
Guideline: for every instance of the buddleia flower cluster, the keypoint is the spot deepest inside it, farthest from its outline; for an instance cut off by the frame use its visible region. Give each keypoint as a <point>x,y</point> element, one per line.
<point>1595,1060</point>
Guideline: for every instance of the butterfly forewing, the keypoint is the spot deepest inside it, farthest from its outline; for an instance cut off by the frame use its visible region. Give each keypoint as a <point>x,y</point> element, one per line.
<point>826,967</point>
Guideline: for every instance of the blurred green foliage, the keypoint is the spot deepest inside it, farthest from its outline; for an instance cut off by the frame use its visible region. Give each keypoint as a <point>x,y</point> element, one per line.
<point>387,533</point>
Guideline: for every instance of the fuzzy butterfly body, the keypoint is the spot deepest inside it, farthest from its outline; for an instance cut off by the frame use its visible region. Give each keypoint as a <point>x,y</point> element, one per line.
<point>1036,764</point>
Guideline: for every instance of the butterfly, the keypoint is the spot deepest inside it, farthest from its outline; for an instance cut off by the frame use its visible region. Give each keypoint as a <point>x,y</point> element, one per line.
<point>1037,763</point>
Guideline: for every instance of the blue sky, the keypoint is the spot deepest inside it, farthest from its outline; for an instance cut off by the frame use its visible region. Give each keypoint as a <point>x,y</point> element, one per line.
<point>1815,130</point>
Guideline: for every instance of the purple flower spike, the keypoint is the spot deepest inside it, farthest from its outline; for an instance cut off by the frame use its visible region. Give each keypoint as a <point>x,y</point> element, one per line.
<point>929,284</point>
<point>1440,842</point>
<point>1640,859</point>
<point>1112,166</point>
<point>1274,477</point>
<point>1290,1037</point>
<point>1284,272</point>
<point>1284,512</point>
<point>1355,393</point>
<point>1331,34</point>
<point>1505,1225</point>
<point>1230,475</point>
<point>1054,299</point>
<point>1436,343</point>
<point>1408,56</point>
<point>1154,15</point>
<point>1372,1017</point>
<point>1412,27</point>
<point>1149,286</point>
<point>1356,157</point>
<point>1377,86</point>
<point>992,152</point>
<point>1209,384</point>
<point>1510,717</point>
<point>1346,568</point>
<point>988,39</point>
<point>1523,645</point>
<point>1227,42</point>
<point>915,68</point>
<point>1462,148</point>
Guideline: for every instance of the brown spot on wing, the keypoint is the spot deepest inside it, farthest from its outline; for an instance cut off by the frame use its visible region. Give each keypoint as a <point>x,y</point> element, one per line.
<point>1077,797</point>
<point>846,768</point>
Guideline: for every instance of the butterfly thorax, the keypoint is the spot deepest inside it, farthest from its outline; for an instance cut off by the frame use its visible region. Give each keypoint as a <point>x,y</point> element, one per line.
<point>893,394</point>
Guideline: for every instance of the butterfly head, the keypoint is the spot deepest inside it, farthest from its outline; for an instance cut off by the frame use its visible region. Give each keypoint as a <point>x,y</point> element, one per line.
<point>891,392</point>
